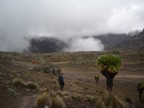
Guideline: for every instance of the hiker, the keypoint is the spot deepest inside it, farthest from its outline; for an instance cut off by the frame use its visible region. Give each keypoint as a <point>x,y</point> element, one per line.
<point>61,81</point>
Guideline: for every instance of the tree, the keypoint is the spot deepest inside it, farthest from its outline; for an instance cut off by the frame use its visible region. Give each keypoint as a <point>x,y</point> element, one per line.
<point>109,65</point>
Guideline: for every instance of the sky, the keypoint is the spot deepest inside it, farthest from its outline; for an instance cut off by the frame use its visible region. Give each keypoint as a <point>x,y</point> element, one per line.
<point>66,19</point>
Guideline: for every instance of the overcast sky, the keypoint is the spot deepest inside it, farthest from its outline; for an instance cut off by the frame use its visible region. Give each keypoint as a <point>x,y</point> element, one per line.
<point>67,18</point>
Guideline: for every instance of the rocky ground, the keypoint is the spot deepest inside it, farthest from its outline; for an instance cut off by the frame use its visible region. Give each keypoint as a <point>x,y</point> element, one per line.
<point>79,70</point>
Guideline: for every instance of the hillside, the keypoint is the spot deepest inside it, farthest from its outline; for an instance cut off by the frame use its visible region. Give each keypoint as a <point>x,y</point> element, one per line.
<point>79,70</point>
<point>135,42</point>
<point>46,44</point>
<point>122,41</point>
<point>112,40</point>
<point>131,41</point>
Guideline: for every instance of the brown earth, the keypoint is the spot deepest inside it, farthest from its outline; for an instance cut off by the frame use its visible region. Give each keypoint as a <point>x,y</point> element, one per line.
<point>79,78</point>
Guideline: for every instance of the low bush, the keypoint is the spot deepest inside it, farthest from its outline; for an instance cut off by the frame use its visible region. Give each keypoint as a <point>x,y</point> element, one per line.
<point>42,90</point>
<point>43,99</point>
<point>63,93</point>
<point>57,102</point>
<point>32,85</point>
<point>108,100</point>
<point>19,82</point>
<point>140,85</point>
<point>96,79</point>
<point>88,98</point>
<point>77,97</point>
<point>50,99</point>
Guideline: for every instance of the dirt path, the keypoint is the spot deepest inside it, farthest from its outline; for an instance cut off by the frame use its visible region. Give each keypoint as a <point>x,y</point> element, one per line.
<point>23,102</point>
<point>27,102</point>
<point>131,76</point>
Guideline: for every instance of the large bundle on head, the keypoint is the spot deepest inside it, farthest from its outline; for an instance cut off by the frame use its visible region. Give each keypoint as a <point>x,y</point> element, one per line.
<point>110,62</point>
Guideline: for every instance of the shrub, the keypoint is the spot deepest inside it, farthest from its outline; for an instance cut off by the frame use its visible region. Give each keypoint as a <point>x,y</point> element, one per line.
<point>94,99</point>
<point>128,100</point>
<point>19,82</point>
<point>50,99</point>
<point>32,85</point>
<point>88,98</point>
<point>96,79</point>
<point>77,97</point>
<point>63,93</point>
<point>43,99</point>
<point>100,104</point>
<point>53,94</point>
<point>42,90</point>
<point>140,85</point>
<point>58,102</point>
<point>110,101</point>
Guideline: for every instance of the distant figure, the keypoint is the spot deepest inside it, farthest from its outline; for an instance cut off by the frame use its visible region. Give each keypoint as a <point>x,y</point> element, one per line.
<point>61,81</point>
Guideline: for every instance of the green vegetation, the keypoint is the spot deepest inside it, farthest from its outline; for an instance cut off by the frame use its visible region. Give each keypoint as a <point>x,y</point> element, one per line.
<point>140,87</point>
<point>109,62</point>
<point>96,79</point>
<point>109,65</point>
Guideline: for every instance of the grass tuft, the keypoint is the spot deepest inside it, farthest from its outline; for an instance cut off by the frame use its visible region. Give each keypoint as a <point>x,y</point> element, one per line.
<point>58,102</point>
<point>110,101</point>
<point>42,90</point>
<point>43,99</point>
<point>77,97</point>
<point>19,82</point>
<point>63,93</point>
<point>96,79</point>
<point>32,85</point>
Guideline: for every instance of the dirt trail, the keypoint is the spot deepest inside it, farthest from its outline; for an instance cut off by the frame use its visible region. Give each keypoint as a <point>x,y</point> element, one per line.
<point>28,102</point>
<point>131,76</point>
<point>23,102</point>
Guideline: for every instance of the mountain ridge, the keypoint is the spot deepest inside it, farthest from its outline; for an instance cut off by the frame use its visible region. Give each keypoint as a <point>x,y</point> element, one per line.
<point>110,41</point>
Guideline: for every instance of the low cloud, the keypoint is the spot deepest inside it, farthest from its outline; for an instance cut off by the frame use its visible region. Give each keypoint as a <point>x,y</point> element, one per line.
<point>65,19</point>
<point>85,44</point>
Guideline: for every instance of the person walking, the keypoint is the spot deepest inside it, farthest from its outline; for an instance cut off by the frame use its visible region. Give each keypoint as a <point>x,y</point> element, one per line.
<point>61,81</point>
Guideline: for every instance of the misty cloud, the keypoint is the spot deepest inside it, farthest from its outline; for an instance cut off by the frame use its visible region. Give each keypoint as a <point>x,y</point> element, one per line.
<point>85,44</point>
<point>65,19</point>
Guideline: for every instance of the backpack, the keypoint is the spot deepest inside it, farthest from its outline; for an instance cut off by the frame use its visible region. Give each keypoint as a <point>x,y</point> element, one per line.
<point>61,78</point>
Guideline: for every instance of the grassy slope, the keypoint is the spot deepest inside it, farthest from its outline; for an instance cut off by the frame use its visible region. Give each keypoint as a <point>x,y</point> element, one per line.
<point>79,69</point>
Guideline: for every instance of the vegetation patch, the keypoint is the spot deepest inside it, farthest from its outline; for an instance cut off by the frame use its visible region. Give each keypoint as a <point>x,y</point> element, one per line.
<point>108,100</point>
<point>77,97</point>
<point>21,83</point>
<point>43,99</point>
<point>96,79</point>
<point>63,93</point>
<point>32,85</point>
<point>50,99</point>
<point>57,102</point>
